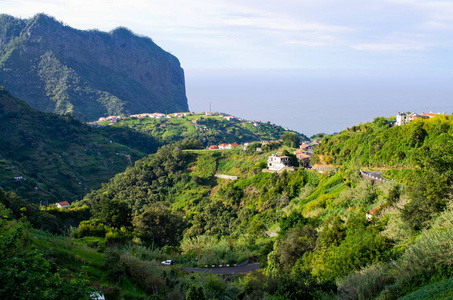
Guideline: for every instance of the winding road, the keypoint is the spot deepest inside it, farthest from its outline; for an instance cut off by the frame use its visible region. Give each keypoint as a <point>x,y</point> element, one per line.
<point>227,270</point>
<point>374,175</point>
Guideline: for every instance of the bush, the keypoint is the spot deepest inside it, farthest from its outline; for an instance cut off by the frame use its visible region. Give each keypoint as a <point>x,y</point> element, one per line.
<point>366,283</point>
<point>93,227</point>
<point>146,274</point>
<point>113,266</point>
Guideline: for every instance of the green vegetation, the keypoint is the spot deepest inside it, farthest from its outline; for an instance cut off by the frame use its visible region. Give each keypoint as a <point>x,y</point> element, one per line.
<point>376,145</point>
<point>441,291</point>
<point>210,130</point>
<point>58,158</point>
<point>316,236</point>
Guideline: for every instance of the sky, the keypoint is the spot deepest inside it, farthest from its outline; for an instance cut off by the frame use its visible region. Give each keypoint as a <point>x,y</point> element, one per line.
<point>244,56</point>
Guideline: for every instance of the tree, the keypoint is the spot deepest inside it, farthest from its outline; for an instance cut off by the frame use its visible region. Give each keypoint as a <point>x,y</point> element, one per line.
<point>251,148</point>
<point>394,195</point>
<point>113,266</point>
<point>292,158</point>
<point>381,122</point>
<point>432,187</point>
<point>291,139</point>
<point>293,220</point>
<point>160,226</point>
<point>295,243</point>
<point>195,293</point>
<point>417,135</point>
<point>290,248</point>
<point>115,213</point>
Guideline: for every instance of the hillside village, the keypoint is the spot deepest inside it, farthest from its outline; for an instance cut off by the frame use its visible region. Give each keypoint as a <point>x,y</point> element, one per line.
<point>406,118</point>
<point>114,119</point>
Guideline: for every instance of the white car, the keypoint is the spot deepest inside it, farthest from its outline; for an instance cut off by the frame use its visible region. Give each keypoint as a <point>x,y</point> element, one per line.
<point>167,262</point>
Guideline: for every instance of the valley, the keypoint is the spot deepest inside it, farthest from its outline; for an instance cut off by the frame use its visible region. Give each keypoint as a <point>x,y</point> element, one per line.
<point>111,188</point>
<point>315,235</point>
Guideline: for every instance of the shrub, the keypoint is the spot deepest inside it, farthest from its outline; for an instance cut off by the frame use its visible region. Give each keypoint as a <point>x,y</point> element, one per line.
<point>113,266</point>
<point>93,227</point>
<point>366,283</point>
<point>146,274</point>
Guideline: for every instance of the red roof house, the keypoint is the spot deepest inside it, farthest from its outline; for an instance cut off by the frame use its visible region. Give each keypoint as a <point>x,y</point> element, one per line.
<point>62,204</point>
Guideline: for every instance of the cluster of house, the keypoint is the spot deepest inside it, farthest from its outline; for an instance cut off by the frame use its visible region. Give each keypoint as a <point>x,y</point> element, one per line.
<point>114,119</point>
<point>226,117</point>
<point>277,162</point>
<point>236,145</point>
<point>405,118</point>
<point>226,146</point>
<point>17,177</point>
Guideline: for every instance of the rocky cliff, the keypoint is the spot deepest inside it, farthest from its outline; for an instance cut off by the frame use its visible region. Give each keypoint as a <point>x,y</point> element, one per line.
<point>56,68</point>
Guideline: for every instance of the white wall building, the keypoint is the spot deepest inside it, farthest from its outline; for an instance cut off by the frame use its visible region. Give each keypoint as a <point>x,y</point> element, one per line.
<point>277,162</point>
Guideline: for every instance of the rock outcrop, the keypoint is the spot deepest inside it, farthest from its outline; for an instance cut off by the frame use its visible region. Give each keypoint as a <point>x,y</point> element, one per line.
<point>56,68</point>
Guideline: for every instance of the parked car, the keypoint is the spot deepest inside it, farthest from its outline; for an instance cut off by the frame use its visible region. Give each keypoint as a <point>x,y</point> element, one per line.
<point>167,262</point>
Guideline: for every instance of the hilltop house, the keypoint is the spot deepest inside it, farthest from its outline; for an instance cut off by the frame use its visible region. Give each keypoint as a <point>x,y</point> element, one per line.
<point>305,147</point>
<point>405,118</point>
<point>277,162</point>
<point>370,214</point>
<point>304,159</point>
<point>229,118</point>
<point>62,204</point>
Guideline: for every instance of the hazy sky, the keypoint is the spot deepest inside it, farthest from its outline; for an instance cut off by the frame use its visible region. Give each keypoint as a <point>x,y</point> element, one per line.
<point>273,34</point>
<point>390,38</point>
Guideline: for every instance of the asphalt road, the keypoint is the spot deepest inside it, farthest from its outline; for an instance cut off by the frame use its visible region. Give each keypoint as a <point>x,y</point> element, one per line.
<point>375,174</point>
<point>227,270</point>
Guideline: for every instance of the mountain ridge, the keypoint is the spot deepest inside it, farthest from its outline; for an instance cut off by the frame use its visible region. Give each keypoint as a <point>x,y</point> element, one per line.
<point>56,68</point>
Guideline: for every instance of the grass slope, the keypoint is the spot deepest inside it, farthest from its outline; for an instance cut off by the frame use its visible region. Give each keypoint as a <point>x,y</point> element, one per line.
<point>58,157</point>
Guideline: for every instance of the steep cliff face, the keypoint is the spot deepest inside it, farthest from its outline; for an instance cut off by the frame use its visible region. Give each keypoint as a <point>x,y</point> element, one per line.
<point>56,68</point>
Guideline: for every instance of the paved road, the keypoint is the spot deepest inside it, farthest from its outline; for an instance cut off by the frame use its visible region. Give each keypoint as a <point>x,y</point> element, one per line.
<point>227,270</point>
<point>377,175</point>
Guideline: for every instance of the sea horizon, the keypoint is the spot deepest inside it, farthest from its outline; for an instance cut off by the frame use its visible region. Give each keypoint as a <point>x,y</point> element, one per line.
<point>317,101</point>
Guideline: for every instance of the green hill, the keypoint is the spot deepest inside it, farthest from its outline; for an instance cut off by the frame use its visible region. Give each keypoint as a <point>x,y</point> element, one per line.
<point>209,129</point>
<point>308,230</point>
<point>56,68</point>
<point>57,158</point>
<point>321,232</point>
<point>378,145</point>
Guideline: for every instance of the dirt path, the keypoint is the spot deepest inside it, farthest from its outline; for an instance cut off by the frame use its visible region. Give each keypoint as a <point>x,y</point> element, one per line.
<point>227,270</point>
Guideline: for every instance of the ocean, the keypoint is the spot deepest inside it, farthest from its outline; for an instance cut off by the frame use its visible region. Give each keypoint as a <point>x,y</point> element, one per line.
<point>318,101</point>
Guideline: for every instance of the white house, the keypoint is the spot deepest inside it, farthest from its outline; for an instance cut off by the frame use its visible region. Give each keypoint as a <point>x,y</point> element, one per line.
<point>229,118</point>
<point>277,162</point>
<point>403,118</point>
<point>62,204</point>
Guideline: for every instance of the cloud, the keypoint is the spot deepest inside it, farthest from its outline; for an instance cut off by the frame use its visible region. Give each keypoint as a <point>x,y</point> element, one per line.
<point>263,33</point>
<point>278,22</point>
<point>308,43</point>
<point>389,47</point>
